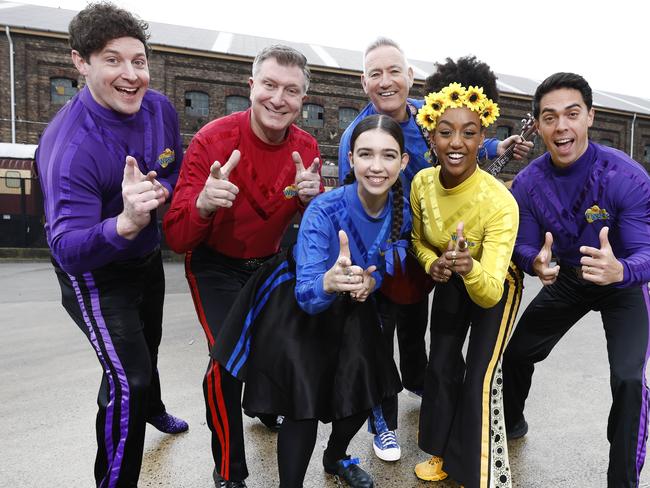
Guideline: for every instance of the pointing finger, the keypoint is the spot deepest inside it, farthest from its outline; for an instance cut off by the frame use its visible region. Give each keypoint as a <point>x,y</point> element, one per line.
<point>231,164</point>
<point>297,160</point>
<point>215,170</point>
<point>459,237</point>
<point>344,245</point>
<point>603,236</point>
<point>314,166</point>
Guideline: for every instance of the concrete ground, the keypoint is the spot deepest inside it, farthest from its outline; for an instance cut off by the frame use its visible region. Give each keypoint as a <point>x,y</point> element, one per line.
<point>49,378</point>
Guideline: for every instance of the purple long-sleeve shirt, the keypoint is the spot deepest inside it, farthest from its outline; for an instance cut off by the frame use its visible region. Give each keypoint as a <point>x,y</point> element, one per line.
<point>604,187</point>
<point>81,158</point>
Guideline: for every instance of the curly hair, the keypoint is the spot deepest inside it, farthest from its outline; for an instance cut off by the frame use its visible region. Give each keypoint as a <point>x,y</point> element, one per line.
<point>468,71</point>
<point>392,128</point>
<point>99,23</point>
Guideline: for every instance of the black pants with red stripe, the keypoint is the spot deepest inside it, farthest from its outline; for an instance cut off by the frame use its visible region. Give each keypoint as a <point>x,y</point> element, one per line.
<point>215,281</point>
<point>119,309</point>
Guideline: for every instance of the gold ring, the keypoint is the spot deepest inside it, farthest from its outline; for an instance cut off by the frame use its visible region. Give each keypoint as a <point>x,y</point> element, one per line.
<point>453,254</point>
<point>453,262</point>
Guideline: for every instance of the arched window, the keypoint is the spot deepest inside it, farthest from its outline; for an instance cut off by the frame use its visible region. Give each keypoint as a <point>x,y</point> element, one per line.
<point>235,103</point>
<point>503,132</point>
<point>197,104</point>
<point>346,116</point>
<point>62,90</point>
<point>313,115</point>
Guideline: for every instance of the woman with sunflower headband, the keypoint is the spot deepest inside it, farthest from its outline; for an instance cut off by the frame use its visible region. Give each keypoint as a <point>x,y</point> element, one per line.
<point>464,228</point>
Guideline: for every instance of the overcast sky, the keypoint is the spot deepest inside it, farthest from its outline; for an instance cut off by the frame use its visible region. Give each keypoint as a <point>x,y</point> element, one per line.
<point>606,42</point>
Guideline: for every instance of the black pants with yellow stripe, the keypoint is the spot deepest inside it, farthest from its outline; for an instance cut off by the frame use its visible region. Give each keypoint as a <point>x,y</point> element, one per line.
<point>461,418</point>
<point>215,281</point>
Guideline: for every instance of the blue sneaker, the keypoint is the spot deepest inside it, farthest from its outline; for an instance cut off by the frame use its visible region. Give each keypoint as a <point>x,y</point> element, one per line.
<point>386,446</point>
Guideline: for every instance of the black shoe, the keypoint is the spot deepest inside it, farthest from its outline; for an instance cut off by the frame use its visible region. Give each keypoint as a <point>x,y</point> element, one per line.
<point>518,430</point>
<point>348,470</point>
<point>219,482</point>
<point>272,422</point>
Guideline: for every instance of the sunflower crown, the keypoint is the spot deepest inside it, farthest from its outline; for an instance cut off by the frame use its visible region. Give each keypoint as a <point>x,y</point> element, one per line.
<point>455,95</point>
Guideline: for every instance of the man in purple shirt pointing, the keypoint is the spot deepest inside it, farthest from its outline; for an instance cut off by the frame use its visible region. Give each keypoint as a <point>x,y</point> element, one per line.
<point>107,160</point>
<point>589,206</point>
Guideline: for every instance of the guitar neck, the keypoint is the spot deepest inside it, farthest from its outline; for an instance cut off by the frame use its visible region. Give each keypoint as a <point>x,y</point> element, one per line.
<point>499,163</point>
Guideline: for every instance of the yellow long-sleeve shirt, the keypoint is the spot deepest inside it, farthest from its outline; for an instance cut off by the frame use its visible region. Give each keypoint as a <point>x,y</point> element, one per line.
<point>490,216</point>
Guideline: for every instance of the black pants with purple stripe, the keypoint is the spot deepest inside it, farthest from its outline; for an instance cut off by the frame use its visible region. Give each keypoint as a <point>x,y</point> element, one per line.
<point>119,309</point>
<point>625,319</point>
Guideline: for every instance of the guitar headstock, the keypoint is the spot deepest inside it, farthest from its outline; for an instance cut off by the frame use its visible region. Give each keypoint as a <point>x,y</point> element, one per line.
<point>528,127</point>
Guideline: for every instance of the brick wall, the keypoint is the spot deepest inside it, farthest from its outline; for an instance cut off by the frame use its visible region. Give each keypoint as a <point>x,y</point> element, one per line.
<point>39,58</point>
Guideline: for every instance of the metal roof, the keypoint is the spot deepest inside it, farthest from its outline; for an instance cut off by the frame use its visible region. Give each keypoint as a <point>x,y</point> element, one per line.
<point>35,17</point>
<point>17,151</point>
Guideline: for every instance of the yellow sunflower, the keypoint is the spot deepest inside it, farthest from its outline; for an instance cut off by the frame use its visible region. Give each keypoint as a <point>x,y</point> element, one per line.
<point>427,117</point>
<point>454,93</point>
<point>437,102</point>
<point>474,98</point>
<point>489,112</point>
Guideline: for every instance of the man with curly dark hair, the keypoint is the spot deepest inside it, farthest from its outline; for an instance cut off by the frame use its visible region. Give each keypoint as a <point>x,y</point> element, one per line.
<point>107,160</point>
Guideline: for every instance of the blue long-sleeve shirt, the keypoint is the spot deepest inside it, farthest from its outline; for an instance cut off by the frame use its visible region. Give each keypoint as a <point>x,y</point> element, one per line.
<point>318,246</point>
<point>81,158</point>
<point>604,187</point>
<point>414,143</point>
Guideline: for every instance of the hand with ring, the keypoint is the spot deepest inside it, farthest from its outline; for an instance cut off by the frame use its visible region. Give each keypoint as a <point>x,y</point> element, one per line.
<point>458,253</point>
<point>344,276</point>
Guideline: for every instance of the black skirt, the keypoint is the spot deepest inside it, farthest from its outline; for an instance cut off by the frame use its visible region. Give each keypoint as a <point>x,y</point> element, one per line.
<point>326,366</point>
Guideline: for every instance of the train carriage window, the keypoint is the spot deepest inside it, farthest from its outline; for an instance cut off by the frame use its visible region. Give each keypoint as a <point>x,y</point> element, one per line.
<point>12,179</point>
<point>646,153</point>
<point>62,90</point>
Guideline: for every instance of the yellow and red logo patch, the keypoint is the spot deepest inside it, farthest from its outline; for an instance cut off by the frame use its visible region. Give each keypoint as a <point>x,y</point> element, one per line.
<point>594,213</point>
<point>166,158</point>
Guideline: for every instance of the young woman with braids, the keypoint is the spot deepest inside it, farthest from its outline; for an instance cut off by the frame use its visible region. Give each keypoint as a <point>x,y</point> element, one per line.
<point>305,334</point>
<point>464,228</point>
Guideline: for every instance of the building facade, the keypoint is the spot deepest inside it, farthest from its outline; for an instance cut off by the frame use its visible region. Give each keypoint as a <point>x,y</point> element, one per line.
<point>206,85</point>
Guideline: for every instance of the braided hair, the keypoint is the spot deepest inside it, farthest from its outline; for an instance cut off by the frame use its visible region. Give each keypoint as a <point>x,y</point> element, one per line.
<point>392,128</point>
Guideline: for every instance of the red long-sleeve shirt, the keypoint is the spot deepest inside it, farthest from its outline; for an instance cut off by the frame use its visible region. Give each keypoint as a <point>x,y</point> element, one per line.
<point>254,225</point>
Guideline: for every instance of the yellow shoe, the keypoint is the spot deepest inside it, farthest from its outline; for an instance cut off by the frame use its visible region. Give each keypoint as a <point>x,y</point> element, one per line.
<point>430,470</point>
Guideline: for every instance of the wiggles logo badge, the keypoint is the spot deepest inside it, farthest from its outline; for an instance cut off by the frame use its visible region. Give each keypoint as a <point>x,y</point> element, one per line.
<point>595,213</point>
<point>168,156</point>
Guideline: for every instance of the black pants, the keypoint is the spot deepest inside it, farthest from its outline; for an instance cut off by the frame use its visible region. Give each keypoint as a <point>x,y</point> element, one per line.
<point>119,309</point>
<point>625,319</point>
<point>411,323</point>
<point>215,281</point>
<point>461,417</point>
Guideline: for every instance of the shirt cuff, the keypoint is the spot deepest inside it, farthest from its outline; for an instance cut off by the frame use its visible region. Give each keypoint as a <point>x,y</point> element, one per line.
<point>195,215</point>
<point>320,292</point>
<point>110,233</point>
